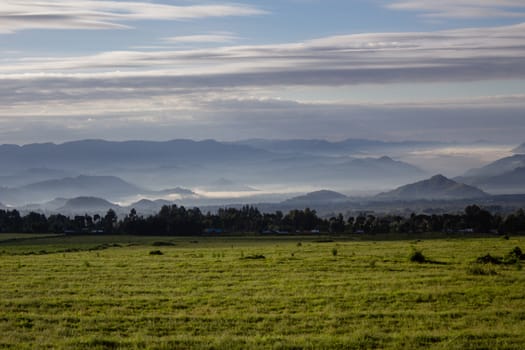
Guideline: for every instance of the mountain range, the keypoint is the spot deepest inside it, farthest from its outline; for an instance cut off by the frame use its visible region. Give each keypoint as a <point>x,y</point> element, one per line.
<point>216,173</point>
<point>504,176</point>
<point>29,171</point>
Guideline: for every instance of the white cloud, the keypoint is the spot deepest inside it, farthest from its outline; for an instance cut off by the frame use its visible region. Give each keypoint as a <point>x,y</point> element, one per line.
<point>223,91</point>
<point>453,55</point>
<point>463,8</point>
<point>18,15</point>
<point>212,38</point>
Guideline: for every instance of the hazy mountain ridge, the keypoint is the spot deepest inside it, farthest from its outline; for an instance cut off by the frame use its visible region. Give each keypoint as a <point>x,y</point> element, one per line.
<point>87,204</point>
<point>99,154</point>
<point>520,149</point>
<point>324,147</point>
<point>509,182</point>
<point>506,175</point>
<point>437,187</point>
<point>194,164</point>
<point>498,167</point>
<point>209,172</point>
<point>316,197</point>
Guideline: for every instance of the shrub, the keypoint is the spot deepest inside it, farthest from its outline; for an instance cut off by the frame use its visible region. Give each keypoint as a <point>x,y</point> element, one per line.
<point>417,256</point>
<point>514,256</point>
<point>156,252</point>
<point>255,257</point>
<point>334,251</point>
<point>488,259</point>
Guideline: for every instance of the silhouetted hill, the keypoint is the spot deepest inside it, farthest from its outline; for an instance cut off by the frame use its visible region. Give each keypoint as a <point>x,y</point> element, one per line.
<point>437,187</point>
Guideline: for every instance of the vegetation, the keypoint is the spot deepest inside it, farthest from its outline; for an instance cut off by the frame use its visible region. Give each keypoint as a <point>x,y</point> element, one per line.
<point>175,220</point>
<point>205,295</point>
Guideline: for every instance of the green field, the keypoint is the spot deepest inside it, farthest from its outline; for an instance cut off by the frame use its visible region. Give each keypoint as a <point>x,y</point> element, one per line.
<point>110,292</point>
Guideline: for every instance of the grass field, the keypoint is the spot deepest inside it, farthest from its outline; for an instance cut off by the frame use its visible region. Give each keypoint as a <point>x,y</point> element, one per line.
<point>276,293</point>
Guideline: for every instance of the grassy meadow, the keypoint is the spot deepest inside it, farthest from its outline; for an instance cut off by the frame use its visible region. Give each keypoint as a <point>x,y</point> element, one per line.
<point>258,292</point>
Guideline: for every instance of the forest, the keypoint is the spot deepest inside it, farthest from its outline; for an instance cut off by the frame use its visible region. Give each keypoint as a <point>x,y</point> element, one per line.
<point>176,220</point>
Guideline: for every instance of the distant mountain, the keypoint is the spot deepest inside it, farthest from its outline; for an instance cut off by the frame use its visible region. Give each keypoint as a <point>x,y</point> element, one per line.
<point>379,167</point>
<point>520,149</point>
<point>146,206</point>
<point>322,196</point>
<point>110,187</point>
<point>98,186</point>
<point>498,167</point>
<point>87,204</point>
<point>184,192</point>
<point>32,175</point>
<point>192,164</point>
<point>97,155</point>
<point>323,147</point>
<point>437,187</point>
<point>511,182</point>
<point>227,185</point>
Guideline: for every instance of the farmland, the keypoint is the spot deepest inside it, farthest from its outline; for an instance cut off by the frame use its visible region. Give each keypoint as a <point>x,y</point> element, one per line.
<point>258,292</point>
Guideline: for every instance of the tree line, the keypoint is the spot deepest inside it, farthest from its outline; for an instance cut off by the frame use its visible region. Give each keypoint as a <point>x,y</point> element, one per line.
<point>178,220</point>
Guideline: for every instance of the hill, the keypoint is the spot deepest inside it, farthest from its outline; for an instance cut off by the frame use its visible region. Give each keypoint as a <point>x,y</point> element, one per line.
<point>437,187</point>
<point>110,187</point>
<point>146,206</point>
<point>87,204</point>
<point>317,197</point>
<point>98,186</point>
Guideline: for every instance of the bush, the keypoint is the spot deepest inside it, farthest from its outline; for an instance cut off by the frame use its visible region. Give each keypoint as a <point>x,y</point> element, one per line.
<point>156,252</point>
<point>488,259</point>
<point>417,256</point>
<point>514,256</point>
<point>255,257</point>
<point>334,251</point>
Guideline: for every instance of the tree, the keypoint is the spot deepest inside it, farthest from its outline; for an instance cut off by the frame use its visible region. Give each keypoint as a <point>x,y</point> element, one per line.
<point>109,221</point>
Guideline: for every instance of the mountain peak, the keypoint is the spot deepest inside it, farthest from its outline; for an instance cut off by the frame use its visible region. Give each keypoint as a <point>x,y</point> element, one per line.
<point>437,187</point>
<point>440,178</point>
<point>520,149</point>
<point>319,196</point>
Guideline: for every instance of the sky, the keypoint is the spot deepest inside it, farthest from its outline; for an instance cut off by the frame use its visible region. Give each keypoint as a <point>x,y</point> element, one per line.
<point>449,70</point>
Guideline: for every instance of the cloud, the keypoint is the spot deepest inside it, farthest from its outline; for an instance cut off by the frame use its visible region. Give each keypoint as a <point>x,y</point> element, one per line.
<point>208,116</point>
<point>206,92</point>
<point>453,55</point>
<point>16,15</point>
<point>213,38</point>
<point>463,8</point>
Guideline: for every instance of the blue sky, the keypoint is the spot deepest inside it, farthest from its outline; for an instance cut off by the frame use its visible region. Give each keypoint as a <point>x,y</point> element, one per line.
<point>399,69</point>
